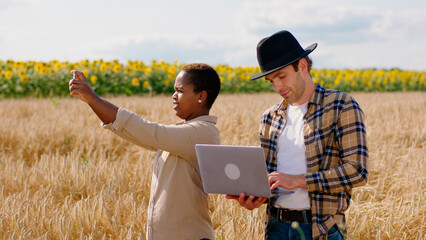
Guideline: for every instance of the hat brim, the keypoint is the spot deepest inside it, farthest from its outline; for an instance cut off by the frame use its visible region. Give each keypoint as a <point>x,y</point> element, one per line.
<point>307,51</point>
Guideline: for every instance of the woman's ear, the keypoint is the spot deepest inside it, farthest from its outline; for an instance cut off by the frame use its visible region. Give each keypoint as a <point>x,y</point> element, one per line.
<point>202,97</point>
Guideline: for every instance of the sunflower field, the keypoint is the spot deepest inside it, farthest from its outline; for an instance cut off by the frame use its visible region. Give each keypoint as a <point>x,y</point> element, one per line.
<point>50,79</point>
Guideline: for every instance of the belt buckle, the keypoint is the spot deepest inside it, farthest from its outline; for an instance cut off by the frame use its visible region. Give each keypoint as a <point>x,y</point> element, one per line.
<point>282,215</point>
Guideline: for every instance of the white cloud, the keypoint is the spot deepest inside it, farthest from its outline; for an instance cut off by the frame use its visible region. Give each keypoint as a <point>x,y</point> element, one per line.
<point>260,17</point>
<point>5,4</point>
<point>328,19</point>
<point>188,48</point>
<point>401,25</point>
<point>361,34</point>
<point>349,35</point>
<point>357,40</point>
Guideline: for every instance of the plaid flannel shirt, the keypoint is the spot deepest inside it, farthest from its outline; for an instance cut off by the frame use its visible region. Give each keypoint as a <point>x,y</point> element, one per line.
<point>336,153</point>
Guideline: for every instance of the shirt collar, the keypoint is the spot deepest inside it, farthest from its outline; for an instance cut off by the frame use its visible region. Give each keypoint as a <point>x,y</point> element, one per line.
<point>204,118</point>
<point>318,95</point>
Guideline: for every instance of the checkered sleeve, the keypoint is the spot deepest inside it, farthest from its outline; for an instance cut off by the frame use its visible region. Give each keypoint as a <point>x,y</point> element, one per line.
<point>268,132</point>
<point>351,139</point>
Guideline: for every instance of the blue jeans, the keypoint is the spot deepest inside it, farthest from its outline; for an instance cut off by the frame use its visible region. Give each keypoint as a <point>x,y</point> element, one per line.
<point>281,230</point>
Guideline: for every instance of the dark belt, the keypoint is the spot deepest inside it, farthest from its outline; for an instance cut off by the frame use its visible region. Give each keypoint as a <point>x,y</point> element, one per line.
<point>287,215</point>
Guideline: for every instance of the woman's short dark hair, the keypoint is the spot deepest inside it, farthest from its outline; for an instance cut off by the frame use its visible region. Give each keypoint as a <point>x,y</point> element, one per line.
<point>204,78</point>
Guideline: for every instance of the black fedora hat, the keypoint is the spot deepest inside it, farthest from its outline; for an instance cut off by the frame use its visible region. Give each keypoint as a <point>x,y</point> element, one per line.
<point>279,50</point>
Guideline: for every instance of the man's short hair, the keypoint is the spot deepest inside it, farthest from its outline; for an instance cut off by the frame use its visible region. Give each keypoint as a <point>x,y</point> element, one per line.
<point>296,64</point>
<point>204,78</point>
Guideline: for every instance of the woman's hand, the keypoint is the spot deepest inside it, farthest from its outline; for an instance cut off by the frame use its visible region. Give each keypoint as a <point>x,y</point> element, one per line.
<point>81,88</point>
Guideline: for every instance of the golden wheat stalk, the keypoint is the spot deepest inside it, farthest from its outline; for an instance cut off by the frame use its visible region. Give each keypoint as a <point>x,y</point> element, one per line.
<point>64,177</point>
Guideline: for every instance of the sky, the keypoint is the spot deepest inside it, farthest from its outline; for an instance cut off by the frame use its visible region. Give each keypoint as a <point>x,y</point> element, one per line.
<point>350,34</point>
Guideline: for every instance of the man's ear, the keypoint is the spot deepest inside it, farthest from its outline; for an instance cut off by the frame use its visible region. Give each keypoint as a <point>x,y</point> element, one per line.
<point>303,65</point>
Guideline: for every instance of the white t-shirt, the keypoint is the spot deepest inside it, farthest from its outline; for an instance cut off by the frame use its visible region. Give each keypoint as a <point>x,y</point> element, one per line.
<point>292,157</point>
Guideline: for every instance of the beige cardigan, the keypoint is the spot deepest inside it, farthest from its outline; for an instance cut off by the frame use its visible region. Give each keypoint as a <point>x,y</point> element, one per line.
<point>178,207</point>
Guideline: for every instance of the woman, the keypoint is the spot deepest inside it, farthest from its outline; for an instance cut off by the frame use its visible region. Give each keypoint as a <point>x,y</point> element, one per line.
<point>178,207</point>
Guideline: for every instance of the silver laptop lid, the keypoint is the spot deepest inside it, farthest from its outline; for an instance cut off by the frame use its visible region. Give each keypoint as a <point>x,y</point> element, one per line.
<point>232,170</point>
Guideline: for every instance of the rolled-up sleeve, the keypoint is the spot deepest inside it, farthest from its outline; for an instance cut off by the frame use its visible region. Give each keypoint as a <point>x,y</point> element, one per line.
<point>177,139</point>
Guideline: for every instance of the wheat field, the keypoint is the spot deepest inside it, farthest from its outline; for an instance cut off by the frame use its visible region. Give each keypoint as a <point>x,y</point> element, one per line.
<point>64,177</point>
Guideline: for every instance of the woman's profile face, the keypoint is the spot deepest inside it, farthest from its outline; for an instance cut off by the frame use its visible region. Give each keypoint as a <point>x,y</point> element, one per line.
<point>185,100</point>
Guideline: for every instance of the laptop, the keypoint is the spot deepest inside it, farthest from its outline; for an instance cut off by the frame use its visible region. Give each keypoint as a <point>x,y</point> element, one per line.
<point>233,170</point>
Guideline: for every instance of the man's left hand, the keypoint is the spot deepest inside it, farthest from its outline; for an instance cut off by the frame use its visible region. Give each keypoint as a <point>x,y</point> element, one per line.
<point>286,181</point>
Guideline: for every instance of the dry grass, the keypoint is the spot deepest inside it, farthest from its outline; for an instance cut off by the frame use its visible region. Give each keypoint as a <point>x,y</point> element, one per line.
<point>63,177</point>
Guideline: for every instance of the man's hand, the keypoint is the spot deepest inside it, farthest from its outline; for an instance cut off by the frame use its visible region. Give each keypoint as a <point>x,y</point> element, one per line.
<point>81,88</point>
<point>286,181</point>
<point>247,202</point>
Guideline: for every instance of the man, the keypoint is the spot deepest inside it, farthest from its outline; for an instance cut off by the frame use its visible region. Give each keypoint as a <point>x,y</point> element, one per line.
<point>314,143</point>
